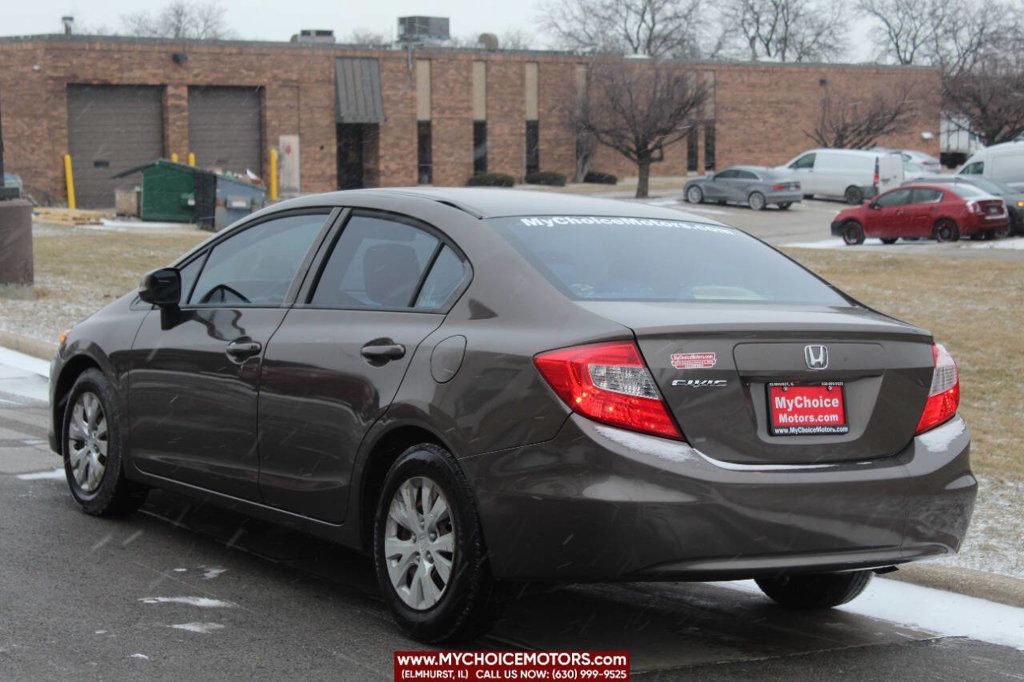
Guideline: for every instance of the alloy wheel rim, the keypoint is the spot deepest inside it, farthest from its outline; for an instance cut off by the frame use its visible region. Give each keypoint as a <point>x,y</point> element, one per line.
<point>756,202</point>
<point>88,442</point>
<point>694,195</point>
<point>419,542</point>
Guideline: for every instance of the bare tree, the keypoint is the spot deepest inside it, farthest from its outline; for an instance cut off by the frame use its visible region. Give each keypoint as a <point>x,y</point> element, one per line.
<point>515,39</point>
<point>785,30</point>
<point>365,36</point>
<point>908,27</point>
<point>180,19</point>
<point>846,123</point>
<point>988,98</point>
<point>638,109</point>
<point>651,28</point>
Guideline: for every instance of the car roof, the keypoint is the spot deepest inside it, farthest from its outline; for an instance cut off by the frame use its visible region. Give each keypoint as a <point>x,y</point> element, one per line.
<point>853,152</point>
<point>483,202</point>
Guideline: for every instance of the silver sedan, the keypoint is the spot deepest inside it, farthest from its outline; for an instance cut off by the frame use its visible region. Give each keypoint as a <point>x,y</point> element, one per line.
<point>753,186</point>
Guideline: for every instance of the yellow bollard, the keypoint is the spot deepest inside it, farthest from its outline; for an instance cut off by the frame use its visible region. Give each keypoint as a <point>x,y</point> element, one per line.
<point>191,159</point>
<point>273,175</point>
<point>174,157</point>
<point>70,179</point>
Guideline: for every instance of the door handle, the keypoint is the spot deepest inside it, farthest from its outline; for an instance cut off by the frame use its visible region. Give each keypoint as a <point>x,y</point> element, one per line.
<point>242,349</point>
<point>381,351</point>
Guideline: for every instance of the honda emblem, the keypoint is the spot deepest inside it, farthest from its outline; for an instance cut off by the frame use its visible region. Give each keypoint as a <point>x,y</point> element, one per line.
<point>816,357</point>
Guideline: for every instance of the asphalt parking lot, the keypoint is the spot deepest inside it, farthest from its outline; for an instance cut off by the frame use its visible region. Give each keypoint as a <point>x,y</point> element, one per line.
<point>185,589</point>
<point>806,225</point>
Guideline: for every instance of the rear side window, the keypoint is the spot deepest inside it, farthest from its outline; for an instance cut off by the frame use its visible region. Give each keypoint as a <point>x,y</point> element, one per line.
<point>445,278</point>
<point>745,175</point>
<point>255,267</point>
<point>376,263</point>
<point>643,259</point>
<point>925,196</point>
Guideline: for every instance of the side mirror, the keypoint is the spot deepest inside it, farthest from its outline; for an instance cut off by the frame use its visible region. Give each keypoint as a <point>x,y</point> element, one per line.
<point>161,287</point>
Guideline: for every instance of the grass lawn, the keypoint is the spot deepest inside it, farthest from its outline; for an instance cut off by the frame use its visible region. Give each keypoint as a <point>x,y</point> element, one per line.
<point>973,306</point>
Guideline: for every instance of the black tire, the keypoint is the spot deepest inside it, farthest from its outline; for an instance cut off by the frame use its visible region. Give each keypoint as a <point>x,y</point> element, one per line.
<point>756,201</point>
<point>1002,232</point>
<point>946,231</point>
<point>785,205</point>
<point>115,494</point>
<point>815,591</point>
<point>469,602</point>
<point>853,233</point>
<point>854,195</point>
<point>694,194</point>
<point>888,240</point>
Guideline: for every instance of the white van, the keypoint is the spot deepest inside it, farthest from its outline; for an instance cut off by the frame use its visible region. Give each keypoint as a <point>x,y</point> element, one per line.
<point>1001,162</point>
<point>846,173</point>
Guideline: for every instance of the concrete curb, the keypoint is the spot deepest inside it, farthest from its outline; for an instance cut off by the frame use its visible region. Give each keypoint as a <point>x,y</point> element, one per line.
<point>994,587</point>
<point>43,350</point>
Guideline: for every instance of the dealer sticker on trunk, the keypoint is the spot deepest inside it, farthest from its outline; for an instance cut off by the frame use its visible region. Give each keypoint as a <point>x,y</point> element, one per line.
<point>807,409</point>
<point>694,360</point>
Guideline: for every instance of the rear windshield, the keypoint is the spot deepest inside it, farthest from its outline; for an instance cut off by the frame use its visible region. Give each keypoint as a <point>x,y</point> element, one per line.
<point>643,259</point>
<point>968,191</point>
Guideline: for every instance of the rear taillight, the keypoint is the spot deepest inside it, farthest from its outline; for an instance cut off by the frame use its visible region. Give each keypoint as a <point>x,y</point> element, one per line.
<point>780,186</point>
<point>610,383</point>
<point>975,208</point>
<point>944,395</point>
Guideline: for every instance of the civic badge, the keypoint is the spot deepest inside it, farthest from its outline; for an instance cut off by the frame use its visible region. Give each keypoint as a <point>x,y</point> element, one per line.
<point>816,356</point>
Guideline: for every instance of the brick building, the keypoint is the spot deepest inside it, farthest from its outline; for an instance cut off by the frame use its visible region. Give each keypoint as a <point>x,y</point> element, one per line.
<point>346,116</point>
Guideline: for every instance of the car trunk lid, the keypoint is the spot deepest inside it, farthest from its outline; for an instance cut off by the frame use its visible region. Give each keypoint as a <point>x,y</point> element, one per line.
<point>716,364</point>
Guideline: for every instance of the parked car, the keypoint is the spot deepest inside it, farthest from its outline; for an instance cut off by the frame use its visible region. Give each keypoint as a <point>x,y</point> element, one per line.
<point>1000,162</point>
<point>1013,198</point>
<point>753,186</point>
<point>848,174</point>
<point>923,211</point>
<point>478,387</point>
<point>926,161</point>
<point>915,172</point>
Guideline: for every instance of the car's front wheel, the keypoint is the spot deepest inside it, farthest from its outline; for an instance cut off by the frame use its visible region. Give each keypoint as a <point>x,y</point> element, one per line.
<point>694,194</point>
<point>93,449</point>
<point>815,591</point>
<point>853,233</point>
<point>428,549</point>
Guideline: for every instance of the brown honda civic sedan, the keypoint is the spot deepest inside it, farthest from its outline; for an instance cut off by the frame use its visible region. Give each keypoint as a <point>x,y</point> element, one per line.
<point>489,387</point>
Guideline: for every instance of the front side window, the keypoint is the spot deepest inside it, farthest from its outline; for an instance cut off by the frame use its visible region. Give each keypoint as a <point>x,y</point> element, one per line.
<point>612,258</point>
<point>805,161</point>
<point>256,267</point>
<point>376,263</point>
<point>896,197</point>
<point>726,175</point>
<point>976,168</point>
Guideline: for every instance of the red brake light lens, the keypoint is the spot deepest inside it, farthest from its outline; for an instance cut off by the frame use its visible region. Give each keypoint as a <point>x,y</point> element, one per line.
<point>608,382</point>
<point>944,396</point>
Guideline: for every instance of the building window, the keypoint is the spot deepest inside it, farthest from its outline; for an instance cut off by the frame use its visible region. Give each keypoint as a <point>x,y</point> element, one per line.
<point>479,146</point>
<point>692,142</point>
<point>424,155</point>
<point>532,146</point>
<point>709,144</point>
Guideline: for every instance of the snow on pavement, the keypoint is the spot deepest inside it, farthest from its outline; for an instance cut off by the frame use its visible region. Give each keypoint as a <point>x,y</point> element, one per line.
<point>201,602</point>
<point>945,614</point>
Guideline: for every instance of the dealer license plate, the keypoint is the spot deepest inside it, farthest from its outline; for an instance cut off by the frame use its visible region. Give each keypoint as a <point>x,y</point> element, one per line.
<point>806,409</point>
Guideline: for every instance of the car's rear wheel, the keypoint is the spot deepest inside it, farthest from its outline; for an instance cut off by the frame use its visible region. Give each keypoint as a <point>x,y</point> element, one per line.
<point>888,240</point>
<point>1002,232</point>
<point>428,549</point>
<point>694,195</point>
<point>785,205</point>
<point>93,449</point>
<point>815,591</point>
<point>854,195</point>
<point>756,201</point>
<point>853,233</point>
<point>946,231</point>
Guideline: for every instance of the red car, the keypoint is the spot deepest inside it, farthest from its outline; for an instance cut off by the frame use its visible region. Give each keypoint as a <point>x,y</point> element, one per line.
<point>924,211</point>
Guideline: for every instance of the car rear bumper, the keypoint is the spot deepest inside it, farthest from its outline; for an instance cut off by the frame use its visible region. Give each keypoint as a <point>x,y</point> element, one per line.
<point>784,197</point>
<point>598,503</point>
<point>980,225</point>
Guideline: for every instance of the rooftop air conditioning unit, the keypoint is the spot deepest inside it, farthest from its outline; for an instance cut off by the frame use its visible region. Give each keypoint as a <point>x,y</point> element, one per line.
<point>423,29</point>
<point>314,35</point>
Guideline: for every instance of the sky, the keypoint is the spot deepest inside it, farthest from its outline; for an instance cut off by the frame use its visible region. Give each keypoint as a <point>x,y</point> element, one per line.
<point>279,19</point>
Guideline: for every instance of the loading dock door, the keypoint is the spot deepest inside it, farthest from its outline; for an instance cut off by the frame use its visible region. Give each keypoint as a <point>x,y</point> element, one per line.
<point>111,128</point>
<point>224,128</point>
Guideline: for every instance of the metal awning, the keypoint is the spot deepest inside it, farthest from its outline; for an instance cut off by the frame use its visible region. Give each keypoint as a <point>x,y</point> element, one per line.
<point>358,90</point>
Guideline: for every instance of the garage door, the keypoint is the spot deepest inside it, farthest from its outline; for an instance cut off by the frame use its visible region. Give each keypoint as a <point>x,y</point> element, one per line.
<point>224,128</point>
<point>111,128</point>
